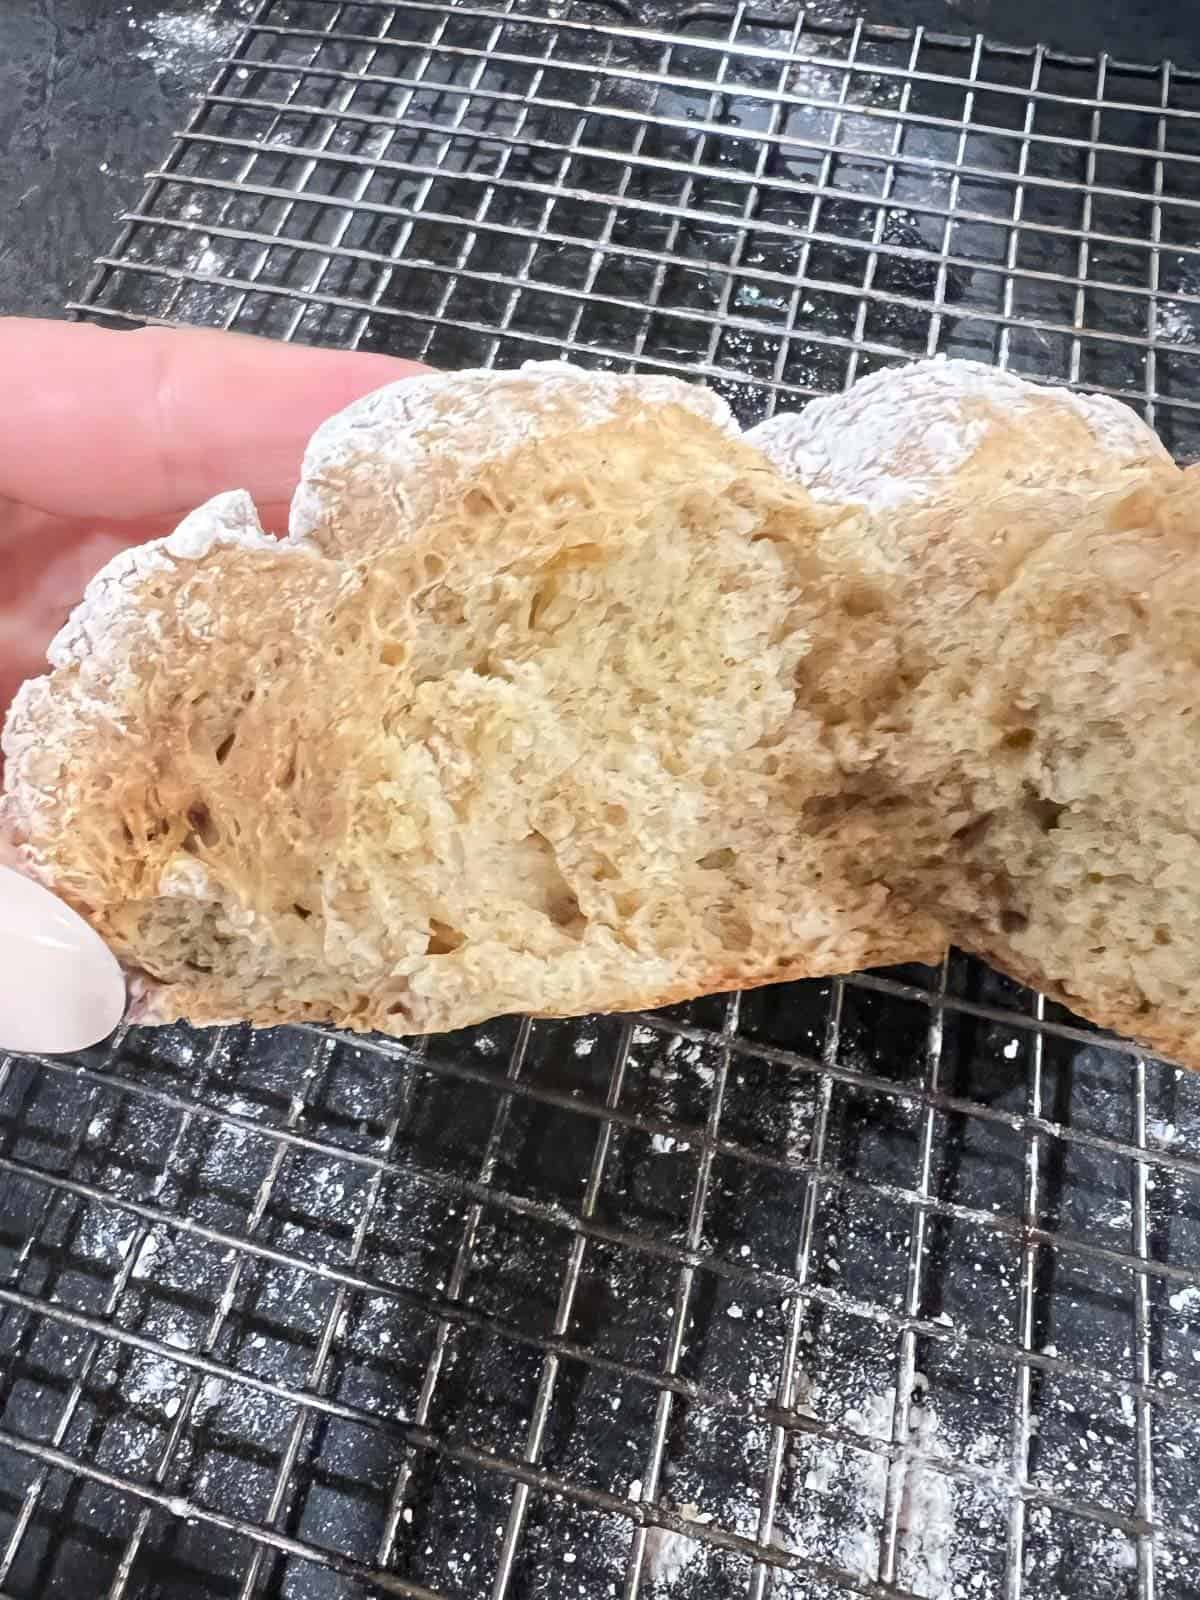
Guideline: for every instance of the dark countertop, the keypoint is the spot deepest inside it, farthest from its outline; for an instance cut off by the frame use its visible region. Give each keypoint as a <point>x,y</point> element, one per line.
<point>91,90</point>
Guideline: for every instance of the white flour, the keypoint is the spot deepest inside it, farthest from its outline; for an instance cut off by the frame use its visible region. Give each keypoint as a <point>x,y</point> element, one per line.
<point>176,43</point>
<point>155,1381</point>
<point>210,261</point>
<point>380,448</point>
<point>837,1513</point>
<point>143,1267</point>
<point>1175,323</point>
<point>670,1554</point>
<point>897,433</point>
<point>105,1235</point>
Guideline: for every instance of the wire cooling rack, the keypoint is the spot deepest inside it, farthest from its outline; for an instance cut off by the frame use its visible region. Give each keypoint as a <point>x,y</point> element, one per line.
<point>887,1286</point>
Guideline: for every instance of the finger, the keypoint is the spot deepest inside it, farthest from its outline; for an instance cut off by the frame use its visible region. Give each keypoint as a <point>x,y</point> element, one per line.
<point>125,425</point>
<point>60,987</point>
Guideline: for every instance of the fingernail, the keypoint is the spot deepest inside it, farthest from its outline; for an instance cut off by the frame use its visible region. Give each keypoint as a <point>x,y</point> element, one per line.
<point>61,988</point>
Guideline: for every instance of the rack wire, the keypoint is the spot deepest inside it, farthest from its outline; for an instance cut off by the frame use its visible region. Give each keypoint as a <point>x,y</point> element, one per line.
<point>888,1286</point>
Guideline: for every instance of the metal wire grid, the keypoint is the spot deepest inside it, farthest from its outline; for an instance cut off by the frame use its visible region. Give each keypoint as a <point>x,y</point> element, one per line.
<point>775,205</point>
<point>666,1305</point>
<point>148,1308</point>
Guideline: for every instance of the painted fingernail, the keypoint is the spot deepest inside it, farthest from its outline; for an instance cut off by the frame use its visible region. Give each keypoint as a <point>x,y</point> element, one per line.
<point>61,988</point>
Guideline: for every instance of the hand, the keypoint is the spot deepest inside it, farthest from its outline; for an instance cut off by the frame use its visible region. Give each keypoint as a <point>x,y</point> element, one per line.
<point>106,440</point>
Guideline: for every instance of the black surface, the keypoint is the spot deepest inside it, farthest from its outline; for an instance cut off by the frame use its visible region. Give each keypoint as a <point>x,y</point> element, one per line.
<point>90,92</point>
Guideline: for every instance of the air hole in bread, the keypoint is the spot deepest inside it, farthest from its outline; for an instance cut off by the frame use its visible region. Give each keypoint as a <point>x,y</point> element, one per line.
<point>443,939</point>
<point>565,913</point>
<point>718,860</point>
<point>537,606</point>
<point>559,901</point>
<point>1013,921</point>
<point>863,600</point>
<point>974,831</point>
<point>1018,739</point>
<point>301,911</point>
<point>203,829</point>
<point>475,503</point>
<point>729,922</point>
<point>1046,813</point>
<point>822,809</point>
<point>442,605</point>
<point>1162,935</point>
<point>226,745</point>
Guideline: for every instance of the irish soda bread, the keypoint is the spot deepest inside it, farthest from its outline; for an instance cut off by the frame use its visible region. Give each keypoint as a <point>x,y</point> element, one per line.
<point>564,696</point>
<point>514,722</point>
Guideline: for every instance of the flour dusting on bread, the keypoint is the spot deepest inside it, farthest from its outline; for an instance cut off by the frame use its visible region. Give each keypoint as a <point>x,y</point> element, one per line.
<point>892,436</point>
<point>389,461</point>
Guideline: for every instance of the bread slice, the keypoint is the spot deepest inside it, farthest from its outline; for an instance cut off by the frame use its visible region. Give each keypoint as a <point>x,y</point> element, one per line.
<point>518,720</point>
<point>1037,555</point>
<point>564,697</point>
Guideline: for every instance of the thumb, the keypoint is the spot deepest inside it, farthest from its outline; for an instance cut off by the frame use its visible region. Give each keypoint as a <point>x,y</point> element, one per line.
<point>61,988</point>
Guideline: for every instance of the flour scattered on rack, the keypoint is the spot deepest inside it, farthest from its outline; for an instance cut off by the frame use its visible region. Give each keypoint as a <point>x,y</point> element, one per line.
<point>210,260</point>
<point>178,42</point>
<point>1174,322</point>
<point>105,1235</point>
<point>834,1510</point>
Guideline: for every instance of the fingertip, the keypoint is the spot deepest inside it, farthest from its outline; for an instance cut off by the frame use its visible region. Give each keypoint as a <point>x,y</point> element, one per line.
<point>61,988</point>
<point>238,410</point>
